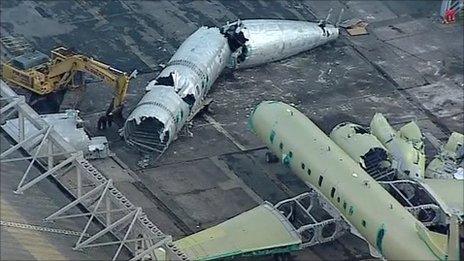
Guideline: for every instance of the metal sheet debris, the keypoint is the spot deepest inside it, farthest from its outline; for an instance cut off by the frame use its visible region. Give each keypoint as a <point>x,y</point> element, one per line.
<point>70,126</point>
<point>355,26</point>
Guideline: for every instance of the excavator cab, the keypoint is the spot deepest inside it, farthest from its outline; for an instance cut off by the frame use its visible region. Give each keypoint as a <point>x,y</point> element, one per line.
<point>30,60</point>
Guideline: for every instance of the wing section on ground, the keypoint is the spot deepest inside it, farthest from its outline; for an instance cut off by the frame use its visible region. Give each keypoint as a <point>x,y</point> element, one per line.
<point>261,230</point>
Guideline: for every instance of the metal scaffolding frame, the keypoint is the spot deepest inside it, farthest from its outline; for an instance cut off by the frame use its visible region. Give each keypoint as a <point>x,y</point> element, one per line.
<point>299,211</point>
<point>428,212</point>
<point>113,212</point>
<point>313,230</point>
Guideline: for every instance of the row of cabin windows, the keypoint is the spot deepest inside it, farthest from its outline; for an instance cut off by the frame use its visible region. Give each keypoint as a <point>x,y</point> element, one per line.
<point>303,166</point>
<point>321,179</point>
<point>332,194</point>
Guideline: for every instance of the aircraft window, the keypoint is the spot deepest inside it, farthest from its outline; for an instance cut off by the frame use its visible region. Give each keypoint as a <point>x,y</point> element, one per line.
<point>272,136</point>
<point>281,146</point>
<point>302,166</point>
<point>286,160</point>
<point>308,171</point>
<point>344,205</point>
<point>321,178</point>
<point>351,211</point>
<point>332,193</point>
<point>363,223</point>
<point>338,199</point>
<point>290,154</point>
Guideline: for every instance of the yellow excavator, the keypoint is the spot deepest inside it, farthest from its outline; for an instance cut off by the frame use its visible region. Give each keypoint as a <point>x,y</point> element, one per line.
<point>43,75</point>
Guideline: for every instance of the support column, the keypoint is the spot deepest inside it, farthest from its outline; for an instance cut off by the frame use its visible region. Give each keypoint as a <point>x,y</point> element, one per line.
<point>79,182</point>
<point>108,210</point>
<point>129,230</point>
<point>79,200</point>
<point>22,131</point>
<point>34,159</point>
<point>44,175</point>
<point>19,144</point>
<point>50,160</point>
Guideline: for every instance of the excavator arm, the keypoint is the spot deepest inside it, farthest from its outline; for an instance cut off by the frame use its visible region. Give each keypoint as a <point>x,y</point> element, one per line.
<point>66,61</point>
<point>51,75</point>
<point>37,72</point>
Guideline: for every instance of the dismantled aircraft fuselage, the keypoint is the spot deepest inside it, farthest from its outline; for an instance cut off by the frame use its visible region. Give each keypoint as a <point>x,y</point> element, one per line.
<point>323,165</point>
<point>177,91</point>
<point>180,89</point>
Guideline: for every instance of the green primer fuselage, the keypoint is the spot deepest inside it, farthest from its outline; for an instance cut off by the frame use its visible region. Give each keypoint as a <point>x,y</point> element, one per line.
<point>318,161</point>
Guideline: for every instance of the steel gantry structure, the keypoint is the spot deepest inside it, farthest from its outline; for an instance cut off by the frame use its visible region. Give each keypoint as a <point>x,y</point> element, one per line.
<point>101,200</point>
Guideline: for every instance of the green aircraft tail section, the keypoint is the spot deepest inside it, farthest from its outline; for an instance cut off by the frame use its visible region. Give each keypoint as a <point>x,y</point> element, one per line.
<point>261,230</point>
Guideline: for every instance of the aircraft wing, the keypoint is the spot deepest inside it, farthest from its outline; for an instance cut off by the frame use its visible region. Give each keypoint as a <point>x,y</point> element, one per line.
<point>261,229</point>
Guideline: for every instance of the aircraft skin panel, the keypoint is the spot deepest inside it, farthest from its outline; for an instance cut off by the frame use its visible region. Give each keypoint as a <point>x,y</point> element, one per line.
<point>260,229</point>
<point>346,138</point>
<point>448,192</point>
<point>406,146</point>
<point>316,159</point>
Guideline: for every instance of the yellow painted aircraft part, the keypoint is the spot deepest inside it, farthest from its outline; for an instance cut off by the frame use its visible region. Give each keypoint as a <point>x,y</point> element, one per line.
<point>381,128</point>
<point>437,243</point>
<point>406,146</point>
<point>435,166</point>
<point>259,229</point>
<point>355,144</point>
<point>317,160</point>
<point>411,132</point>
<point>448,192</point>
<point>449,152</point>
<point>412,135</point>
<point>454,250</point>
<point>455,141</point>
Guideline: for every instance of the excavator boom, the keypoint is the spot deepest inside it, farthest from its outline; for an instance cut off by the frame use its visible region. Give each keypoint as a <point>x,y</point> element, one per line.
<point>49,75</point>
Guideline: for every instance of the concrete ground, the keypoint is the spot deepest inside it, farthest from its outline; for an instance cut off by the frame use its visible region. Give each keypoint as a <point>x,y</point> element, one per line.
<point>408,67</point>
<point>24,235</point>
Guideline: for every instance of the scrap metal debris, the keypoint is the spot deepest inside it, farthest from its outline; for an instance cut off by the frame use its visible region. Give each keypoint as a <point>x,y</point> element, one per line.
<point>70,126</point>
<point>355,26</point>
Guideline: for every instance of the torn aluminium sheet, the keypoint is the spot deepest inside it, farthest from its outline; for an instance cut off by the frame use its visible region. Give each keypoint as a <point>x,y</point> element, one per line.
<point>177,91</point>
<point>180,89</point>
<point>256,42</point>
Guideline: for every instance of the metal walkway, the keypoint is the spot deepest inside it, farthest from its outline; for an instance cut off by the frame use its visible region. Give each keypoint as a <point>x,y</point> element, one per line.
<point>94,192</point>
